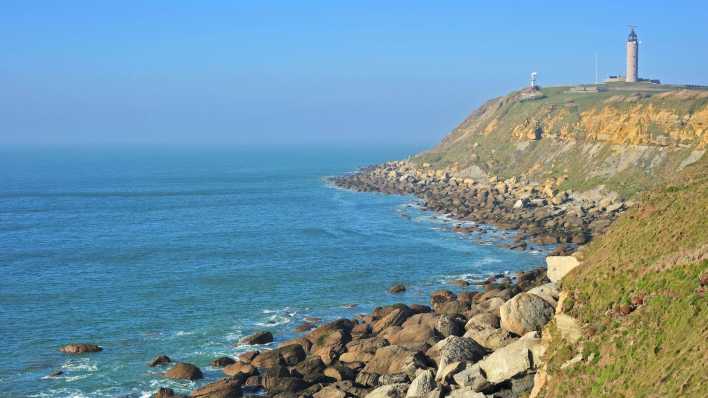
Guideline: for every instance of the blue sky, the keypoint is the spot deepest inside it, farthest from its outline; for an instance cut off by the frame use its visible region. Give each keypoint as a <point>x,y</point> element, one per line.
<point>314,73</point>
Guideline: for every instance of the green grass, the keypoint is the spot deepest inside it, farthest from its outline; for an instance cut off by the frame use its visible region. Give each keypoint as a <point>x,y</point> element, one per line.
<point>660,349</point>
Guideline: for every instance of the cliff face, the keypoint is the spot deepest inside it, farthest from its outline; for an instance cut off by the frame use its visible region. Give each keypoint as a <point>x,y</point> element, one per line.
<point>624,139</point>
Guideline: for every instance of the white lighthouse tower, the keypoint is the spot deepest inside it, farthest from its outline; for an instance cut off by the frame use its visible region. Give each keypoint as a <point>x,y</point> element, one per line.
<point>632,57</point>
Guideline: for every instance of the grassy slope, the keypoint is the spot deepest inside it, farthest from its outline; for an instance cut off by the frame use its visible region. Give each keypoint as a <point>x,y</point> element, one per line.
<point>660,349</point>
<point>486,139</point>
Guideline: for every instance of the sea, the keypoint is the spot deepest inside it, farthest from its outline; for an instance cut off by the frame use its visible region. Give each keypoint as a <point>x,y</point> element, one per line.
<point>184,252</point>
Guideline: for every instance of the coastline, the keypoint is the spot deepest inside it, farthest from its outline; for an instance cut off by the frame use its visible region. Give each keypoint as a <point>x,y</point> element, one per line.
<point>481,342</point>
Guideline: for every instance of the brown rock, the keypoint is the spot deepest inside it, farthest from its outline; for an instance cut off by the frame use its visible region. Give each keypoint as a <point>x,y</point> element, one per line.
<point>276,384</point>
<point>394,359</point>
<point>397,288</point>
<point>164,392</point>
<point>394,318</point>
<point>304,327</point>
<point>228,387</point>
<point>222,362</point>
<point>339,372</point>
<point>80,348</point>
<point>240,368</point>
<point>292,354</point>
<point>248,356</point>
<point>412,335</point>
<point>159,360</point>
<point>183,370</point>
<point>267,359</point>
<point>257,338</point>
<point>441,296</point>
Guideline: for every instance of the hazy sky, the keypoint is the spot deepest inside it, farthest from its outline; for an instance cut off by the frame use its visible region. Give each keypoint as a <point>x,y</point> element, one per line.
<point>248,74</point>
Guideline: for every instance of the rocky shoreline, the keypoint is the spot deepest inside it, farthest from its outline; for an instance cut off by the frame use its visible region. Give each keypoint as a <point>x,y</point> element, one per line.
<point>480,343</point>
<point>539,212</point>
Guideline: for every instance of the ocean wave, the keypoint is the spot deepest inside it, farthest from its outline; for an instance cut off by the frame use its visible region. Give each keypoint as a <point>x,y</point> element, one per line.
<point>79,365</point>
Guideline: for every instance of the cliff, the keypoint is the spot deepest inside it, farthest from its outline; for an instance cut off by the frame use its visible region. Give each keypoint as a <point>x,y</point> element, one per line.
<point>626,138</point>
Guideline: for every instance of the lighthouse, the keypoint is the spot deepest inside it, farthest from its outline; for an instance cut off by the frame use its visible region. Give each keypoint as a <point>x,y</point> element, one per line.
<point>632,57</point>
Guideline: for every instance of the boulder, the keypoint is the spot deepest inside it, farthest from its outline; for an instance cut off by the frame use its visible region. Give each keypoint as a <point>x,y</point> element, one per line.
<point>458,349</point>
<point>422,385</point>
<point>450,325</point>
<point>389,391</point>
<point>80,348</point>
<point>305,326</point>
<point>559,266</point>
<point>548,292</point>
<point>490,338</point>
<point>301,341</point>
<point>240,368</point>
<point>363,350</point>
<point>442,296</point>
<point>330,391</point>
<point>445,373</point>
<point>413,335</point>
<point>393,318</point>
<point>183,370</point>
<point>312,365</point>
<point>483,320</point>
<point>465,393</point>
<point>397,288</point>
<point>257,338</point>
<point>328,341</point>
<point>427,318</point>
<point>491,305</point>
<point>395,378</point>
<point>165,392</point>
<point>568,327</point>
<point>159,360</point>
<point>279,384</point>
<point>454,307</point>
<point>525,313</point>
<point>472,378</point>
<point>339,372</point>
<point>292,354</point>
<point>367,379</point>
<point>222,362</point>
<point>225,388</point>
<point>267,359</point>
<point>515,358</point>
<point>248,356</point>
<point>394,359</point>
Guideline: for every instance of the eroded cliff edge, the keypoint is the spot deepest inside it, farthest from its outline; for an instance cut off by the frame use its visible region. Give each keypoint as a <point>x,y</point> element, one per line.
<point>627,138</point>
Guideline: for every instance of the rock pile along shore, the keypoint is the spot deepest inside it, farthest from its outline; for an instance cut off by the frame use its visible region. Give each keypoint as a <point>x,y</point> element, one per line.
<point>540,212</point>
<point>479,344</point>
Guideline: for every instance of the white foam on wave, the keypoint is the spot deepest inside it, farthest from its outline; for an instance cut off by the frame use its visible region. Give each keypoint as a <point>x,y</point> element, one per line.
<point>79,365</point>
<point>180,333</point>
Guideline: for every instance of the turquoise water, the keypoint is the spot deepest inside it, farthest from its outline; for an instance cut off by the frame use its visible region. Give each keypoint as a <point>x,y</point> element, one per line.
<point>184,253</point>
